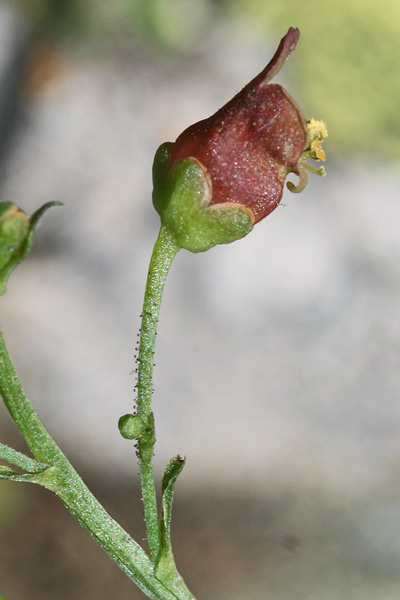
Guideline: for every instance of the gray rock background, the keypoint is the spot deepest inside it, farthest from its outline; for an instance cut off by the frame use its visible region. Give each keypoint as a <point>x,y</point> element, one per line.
<point>277,357</point>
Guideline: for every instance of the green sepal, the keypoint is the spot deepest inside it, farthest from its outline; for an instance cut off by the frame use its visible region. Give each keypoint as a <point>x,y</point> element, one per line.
<point>160,175</point>
<point>165,568</point>
<point>16,236</point>
<point>182,198</point>
<point>14,224</point>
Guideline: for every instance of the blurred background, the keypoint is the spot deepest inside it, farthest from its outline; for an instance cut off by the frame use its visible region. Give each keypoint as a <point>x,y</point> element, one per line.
<point>277,356</point>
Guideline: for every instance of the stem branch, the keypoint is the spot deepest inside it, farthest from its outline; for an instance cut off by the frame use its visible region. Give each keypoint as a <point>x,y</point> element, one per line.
<point>55,472</point>
<point>61,478</point>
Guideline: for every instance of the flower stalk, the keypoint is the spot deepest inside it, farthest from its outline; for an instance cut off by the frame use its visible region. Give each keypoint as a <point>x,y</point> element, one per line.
<point>164,252</point>
<point>140,424</point>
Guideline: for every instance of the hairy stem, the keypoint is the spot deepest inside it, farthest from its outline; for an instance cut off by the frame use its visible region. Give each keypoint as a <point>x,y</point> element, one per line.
<point>164,252</point>
<point>61,478</point>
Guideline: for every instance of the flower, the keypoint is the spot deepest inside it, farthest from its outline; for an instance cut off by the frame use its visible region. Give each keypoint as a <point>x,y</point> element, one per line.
<point>243,154</point>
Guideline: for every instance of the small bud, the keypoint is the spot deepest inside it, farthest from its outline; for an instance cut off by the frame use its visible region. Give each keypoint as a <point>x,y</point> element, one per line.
<point>132,427</point>
<point>14,225</point>
<point>16,237</point>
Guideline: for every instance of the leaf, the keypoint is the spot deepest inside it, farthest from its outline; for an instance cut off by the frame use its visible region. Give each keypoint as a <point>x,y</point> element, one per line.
<point>18,459</point>
<point>10,475</point>
<point>165,568</point>
<point>7,473</point>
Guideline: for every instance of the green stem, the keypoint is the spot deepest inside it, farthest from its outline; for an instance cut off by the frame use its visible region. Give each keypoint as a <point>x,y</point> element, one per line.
<point>41,444</point>
<point>164,252</point>
<point>61,478</point>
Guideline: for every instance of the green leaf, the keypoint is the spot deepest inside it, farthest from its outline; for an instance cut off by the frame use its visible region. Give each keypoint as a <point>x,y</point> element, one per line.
<point>16,236</point>
<point>34,470</point>
<point>10,475</point>
<point>7,473</point>
<point>165,568</point>
<point>170,476</point>
<point>30,465</point>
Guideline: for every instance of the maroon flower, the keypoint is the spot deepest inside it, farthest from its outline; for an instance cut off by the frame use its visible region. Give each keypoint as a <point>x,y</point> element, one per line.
<point>251,144</point>
<point>224,174</point>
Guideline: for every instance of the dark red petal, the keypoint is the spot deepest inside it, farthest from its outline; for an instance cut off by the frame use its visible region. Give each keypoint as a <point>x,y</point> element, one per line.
<point>276,121</point>
<point>250,143</point>
<point>248,149</point>
<point>285,49</point>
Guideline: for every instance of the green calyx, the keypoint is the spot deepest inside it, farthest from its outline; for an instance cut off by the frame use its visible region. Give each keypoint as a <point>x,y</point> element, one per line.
<point>182,199</point>
<point>16,236</point>
<point>14,224</point>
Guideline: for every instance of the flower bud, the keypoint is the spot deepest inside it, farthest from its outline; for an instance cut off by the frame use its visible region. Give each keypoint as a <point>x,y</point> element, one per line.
<point>226,173</point>
<point>16,237</point>
<point>14,225</point>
